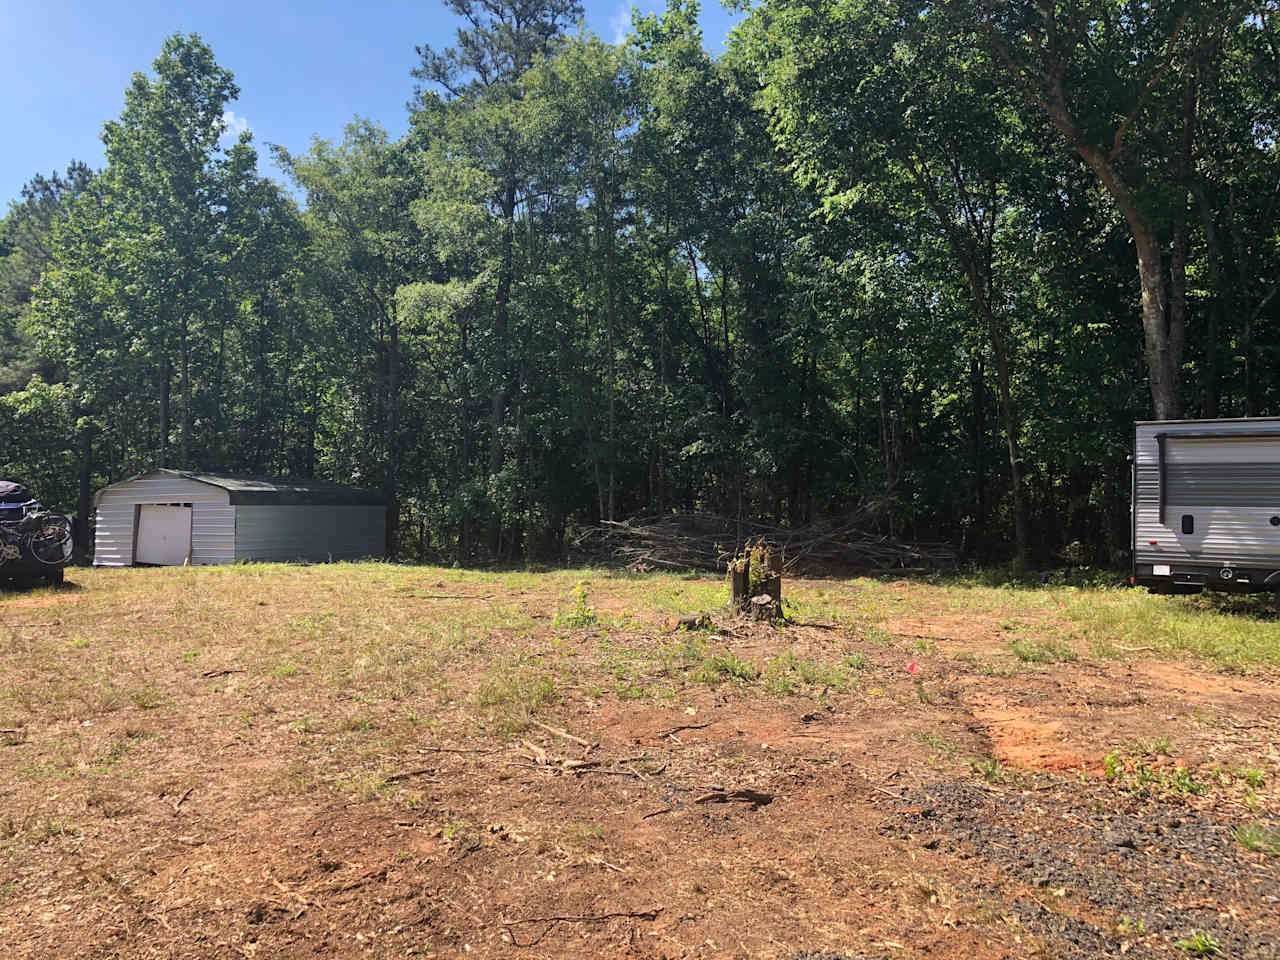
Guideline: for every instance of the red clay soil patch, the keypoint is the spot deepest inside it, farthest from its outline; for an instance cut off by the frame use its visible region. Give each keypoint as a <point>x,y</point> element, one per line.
<point>1022,737</point>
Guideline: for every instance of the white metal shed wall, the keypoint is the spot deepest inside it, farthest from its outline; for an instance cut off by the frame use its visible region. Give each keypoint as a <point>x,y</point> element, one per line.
<point>212,519</point>
<point>309,532</point>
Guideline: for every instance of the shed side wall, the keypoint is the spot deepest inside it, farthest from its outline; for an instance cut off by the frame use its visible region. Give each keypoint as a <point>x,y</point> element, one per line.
<point>1233,528</point>
<point>283,533</point>
<point>212,519</point>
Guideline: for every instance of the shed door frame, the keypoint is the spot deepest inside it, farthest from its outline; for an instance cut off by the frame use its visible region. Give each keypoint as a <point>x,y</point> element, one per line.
<point>174,546</point>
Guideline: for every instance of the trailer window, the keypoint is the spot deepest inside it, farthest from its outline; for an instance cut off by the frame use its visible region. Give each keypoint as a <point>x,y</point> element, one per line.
<point>1188,523</point>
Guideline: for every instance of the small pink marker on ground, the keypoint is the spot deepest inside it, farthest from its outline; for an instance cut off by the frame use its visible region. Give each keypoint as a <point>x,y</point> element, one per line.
<point>913,667</point>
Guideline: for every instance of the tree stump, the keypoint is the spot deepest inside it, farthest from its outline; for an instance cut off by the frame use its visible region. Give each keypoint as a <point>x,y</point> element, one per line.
<point>759,597</point>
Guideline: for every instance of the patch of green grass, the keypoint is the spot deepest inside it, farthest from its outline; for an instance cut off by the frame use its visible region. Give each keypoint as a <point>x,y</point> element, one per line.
<point>511,702</point>
<point>1199,944</point>
<point>581,614</point>
<point>1030,650</point>
<point>876,635</point>
<point>147,698</point>
<point>785,673</point>
<point>1160,746</point>
<point>1105,650</point>
<point>726,666</point>
<point>1252,776</point>
<point>990,769</point>
<point>676,658</point>
<point>939,743</point>
<point>1227,634</point>
<point>924,645</point>
<point>1259,839</point>
<point>855,661</point>
<point>1142,780</point>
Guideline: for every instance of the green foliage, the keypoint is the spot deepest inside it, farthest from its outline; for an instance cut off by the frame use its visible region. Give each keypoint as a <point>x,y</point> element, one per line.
<point>1199,944</point>
<point>1259,839</point>
<point>1041,651</point>
<point>726,666</point>
<point>850,263</point>
<point>581,614</point>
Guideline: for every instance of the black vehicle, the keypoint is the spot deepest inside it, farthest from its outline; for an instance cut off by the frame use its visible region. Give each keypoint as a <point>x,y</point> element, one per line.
<point>35,543</point>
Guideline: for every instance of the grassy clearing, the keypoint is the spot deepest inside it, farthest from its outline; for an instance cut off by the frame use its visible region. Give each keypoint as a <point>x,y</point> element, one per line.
<point>1114,622</point>
<point>350,663</point>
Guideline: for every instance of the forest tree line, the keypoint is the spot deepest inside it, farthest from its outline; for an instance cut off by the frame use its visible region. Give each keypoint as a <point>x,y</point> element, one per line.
<point>922,260</point>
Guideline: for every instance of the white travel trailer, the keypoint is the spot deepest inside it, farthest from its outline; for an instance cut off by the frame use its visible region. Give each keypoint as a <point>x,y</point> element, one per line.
<point>176,517</point>
<point>1206,505</point>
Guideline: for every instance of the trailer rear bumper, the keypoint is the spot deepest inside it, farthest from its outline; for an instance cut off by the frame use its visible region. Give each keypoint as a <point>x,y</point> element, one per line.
<point>1192,578</point>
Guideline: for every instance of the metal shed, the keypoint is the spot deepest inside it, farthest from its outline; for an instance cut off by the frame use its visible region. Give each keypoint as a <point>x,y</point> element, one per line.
<point>1206,504</point>
<point>178,517</point>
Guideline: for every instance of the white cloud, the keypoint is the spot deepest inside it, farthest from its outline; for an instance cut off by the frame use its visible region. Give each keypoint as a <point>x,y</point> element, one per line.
<point>235,125</point>
<point>620,21</point>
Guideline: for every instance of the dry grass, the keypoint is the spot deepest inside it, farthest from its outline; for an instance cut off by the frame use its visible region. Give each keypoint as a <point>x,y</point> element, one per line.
<point>139,696</point>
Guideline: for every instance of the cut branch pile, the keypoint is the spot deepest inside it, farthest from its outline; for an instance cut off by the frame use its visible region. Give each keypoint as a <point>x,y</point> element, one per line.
<point>707,542</point>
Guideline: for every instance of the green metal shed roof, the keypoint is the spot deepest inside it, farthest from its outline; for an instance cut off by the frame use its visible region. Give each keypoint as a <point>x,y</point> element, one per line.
<point>279,491</point>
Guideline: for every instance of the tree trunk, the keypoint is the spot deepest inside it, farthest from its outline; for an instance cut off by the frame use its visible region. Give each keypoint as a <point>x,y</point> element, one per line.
<point>978,434</point>
<point>164,414</point>
<point>1162,342</point>
<point>84,493</point>
<point>1212,376</point>
<point>391,479</point>
<point>611,318</point>
<point>1008,414</point>
<point>185,389</point>
<point>501,320</point>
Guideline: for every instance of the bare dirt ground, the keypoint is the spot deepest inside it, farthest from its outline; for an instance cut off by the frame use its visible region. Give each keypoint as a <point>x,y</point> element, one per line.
<point>370,761</point>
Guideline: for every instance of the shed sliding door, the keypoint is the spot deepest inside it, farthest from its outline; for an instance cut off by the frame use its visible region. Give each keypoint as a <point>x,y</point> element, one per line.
<point>164,535</point>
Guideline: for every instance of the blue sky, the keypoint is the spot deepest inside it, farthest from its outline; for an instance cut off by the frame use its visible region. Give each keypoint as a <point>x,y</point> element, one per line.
<point>303,68</point>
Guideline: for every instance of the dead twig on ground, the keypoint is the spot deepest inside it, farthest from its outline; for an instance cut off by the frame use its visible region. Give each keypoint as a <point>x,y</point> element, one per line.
<point>409,774</point>
<point>211,674</point>
<point>454,750</point>
<point>686,726</point>
<point>448,596</point>
<point>182,799</point>
<point>754,797</point>
<point>561,733</point>
<point>658,813</point>
<point>591,918</point>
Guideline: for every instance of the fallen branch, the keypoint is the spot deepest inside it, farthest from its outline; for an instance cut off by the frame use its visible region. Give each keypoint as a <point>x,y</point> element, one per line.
<point>593,918</point>
<point>210,674</point>
<point>686,726</point>
<point>658,813</point>
<point>561,733</point>
<point>705,542</point>
<point>409,774</point>
<point>1133,649</point>
<point>453,750</point>
<point>753,797</point>
<point>182,799</point>
<point>449,596</point>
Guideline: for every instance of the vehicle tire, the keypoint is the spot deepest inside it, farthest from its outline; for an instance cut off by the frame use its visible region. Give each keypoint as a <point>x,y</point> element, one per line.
<point>56,577</point>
